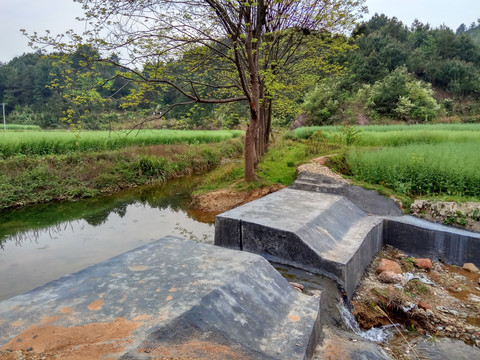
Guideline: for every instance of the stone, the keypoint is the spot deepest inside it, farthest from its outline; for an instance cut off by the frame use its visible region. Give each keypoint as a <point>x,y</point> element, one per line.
<point>470,267</point>
<point>470,329</point>
<point>437,267</point>
<point>429,312</point>
<point>189,300</point>
<point>424,305</point>
<point>388,265</point>
<point>390,277</point>
<point>425,264</point>
<point>297,286</point>
<point>454,289</point>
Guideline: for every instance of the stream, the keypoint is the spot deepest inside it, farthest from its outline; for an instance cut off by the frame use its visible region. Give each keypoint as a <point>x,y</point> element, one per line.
<point>44,242</point>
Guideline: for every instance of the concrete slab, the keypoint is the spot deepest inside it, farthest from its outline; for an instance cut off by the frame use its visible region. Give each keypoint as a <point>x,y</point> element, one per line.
<point>368,200</point>
<point>322,233</point>
<point>422,238</point>
<point>169,299</point>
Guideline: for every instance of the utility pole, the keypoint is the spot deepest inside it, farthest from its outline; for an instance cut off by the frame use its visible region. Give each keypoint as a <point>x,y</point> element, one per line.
<point>4,123</point>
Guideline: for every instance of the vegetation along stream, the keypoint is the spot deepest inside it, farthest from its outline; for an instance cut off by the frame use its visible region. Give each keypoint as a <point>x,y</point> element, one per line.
<point>44,242</point>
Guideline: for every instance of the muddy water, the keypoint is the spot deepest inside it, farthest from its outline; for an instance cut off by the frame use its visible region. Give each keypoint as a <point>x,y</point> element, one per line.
<point>42,243</point>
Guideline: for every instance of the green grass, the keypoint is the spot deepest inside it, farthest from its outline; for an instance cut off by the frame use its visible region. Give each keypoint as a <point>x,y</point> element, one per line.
<point>61,142</point>
<point>278,166</point>
<point>421,169</point>
<point>399,135</point>
<point>20,127</point>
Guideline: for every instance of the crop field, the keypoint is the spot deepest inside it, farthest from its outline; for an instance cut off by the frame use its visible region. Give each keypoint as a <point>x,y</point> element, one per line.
<point>398,135</point>
<point>60,142</point>
<point>421,169</point>
<point>415,160</point>
<point>20,127</point>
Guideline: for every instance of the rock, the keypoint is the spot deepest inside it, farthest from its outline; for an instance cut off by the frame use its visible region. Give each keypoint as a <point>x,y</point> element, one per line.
<point>425,264</point>
<point>437,267</point>
<point>297,286</point>
<point>424,305</point>
<point>470,267</point>
<point>454,289</point>
<point>429,312</point>
<point>419,205</point>
<point>477,288</point>
<point>390,277</point>
<point>470,329</point>
<point>388,265</point>
<point>477,343</point>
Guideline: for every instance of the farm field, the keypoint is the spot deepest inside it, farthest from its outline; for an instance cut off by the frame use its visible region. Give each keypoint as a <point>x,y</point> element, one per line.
<point>413,160</point>
<point>61,142</point>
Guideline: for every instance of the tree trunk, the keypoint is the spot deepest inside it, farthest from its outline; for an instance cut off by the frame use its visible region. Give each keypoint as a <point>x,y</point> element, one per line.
<point>250,152</point>
<point>268,122</point>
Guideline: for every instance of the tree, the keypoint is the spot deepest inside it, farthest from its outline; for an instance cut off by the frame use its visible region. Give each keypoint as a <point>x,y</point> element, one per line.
<point>249,43</point>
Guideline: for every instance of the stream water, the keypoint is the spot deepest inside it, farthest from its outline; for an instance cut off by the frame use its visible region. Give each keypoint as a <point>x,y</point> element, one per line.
<point>42,243</point>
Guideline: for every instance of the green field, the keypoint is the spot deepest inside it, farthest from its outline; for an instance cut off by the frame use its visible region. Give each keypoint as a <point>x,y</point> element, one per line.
<point>60,142</point>
<point>398,135</point>
<point>414,160</point>
<point>20,127</point>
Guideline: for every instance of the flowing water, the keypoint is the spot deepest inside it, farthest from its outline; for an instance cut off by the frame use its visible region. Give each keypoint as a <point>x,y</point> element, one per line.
<point>42,243</point>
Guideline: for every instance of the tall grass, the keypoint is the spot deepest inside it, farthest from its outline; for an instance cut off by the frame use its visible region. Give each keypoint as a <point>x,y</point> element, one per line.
<point>399,135</point>
<point>60,142</point>
<point>421,169</point>
<point>20,127</point>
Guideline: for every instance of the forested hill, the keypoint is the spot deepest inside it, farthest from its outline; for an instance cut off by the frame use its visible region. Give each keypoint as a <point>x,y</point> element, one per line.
<point>435,55</point>
<point>473,31</point>
<point>415,73</point>
<point>399,72</point>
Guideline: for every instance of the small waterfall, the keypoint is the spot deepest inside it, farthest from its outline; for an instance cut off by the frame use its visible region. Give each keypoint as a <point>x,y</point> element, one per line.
<point>379,334</point>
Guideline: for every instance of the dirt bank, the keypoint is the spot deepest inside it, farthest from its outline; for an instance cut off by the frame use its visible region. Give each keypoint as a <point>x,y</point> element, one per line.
<point>218,201</point>
<point>428,298</point>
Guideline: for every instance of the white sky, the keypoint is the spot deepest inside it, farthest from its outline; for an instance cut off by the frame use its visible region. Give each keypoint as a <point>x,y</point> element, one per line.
<point>59,16</point>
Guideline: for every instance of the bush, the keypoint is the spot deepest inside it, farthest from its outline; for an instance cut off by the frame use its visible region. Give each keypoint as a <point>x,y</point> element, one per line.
<point>399,95</point>
<point>323,104</point>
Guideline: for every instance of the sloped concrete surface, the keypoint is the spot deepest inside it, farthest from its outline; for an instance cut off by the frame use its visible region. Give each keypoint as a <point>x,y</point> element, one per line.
<point>323,233</point>
<point>368,200</point>
<point>181,299</point>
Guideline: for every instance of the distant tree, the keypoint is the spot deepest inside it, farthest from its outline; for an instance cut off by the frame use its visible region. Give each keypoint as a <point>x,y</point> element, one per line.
<point>461,29</point>
<point>249,42</point>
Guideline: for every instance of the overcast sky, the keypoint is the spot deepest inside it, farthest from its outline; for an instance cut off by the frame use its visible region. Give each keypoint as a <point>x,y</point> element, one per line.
<point>59,16</point>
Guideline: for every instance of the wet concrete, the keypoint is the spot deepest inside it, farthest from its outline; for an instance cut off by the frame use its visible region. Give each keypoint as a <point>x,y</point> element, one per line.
<point>178,298</point>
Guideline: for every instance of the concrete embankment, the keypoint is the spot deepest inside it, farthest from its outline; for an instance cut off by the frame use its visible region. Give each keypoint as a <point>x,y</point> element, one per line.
<point>335,229</point>
<point>169,299</point>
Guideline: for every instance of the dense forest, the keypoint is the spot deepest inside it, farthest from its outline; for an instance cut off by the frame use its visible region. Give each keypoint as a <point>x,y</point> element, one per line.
<point>391,73</point>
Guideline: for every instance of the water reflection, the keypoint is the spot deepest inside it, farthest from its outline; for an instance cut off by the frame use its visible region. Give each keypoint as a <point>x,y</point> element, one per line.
<point>44,242</point>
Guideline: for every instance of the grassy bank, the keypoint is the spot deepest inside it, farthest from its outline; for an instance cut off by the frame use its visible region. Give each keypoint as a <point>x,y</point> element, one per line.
<point>278,166</point>
<point>35,179</point>
<point>61,142</point>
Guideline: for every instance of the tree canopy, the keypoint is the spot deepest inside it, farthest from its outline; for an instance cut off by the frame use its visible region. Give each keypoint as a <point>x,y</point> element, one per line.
<point>230,50</point>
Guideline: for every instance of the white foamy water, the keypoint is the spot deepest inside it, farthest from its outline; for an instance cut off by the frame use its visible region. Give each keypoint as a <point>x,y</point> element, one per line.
<point>379,334</point>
